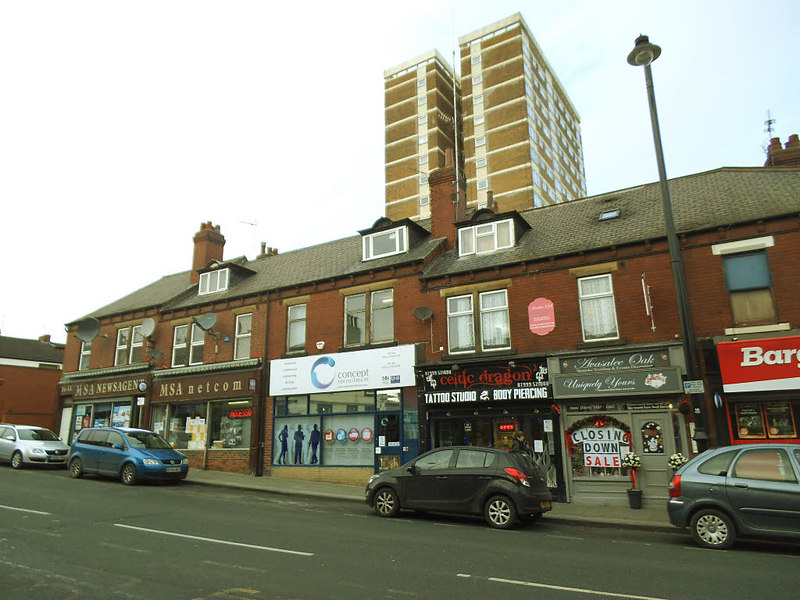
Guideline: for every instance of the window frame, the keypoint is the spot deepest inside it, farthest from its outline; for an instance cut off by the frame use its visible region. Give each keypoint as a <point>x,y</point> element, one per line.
<point>215,277</point>
<point>195,344</point>
<point>182,347</point>
<point>477,313</point>
<point>745,291</point>
<point>400,243</point>
<point>136,347</point>
<point>469,237</point>
<point>294,321</point>
<point>121,347</point>
<point>85,355</point>
<point>585,298</point>
<point>239,337</point>
<point>367,336</point>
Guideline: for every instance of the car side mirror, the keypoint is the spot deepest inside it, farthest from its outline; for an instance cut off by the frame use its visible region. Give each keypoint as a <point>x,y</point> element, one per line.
<point>411,469</point>
<point>117,446</point>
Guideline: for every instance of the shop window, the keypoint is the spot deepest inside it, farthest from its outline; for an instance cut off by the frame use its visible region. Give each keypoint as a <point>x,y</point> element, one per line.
<point>762,420</point>
<point>749,284</point>
<point>596,445</point>
<point>598,313</point>
<point>244,328</point>
<point>296,328</point>
<point>387,400</point>
<point>187,425</point>
<point>492,322</point>
<point>230,424</point>
<point>86,353</point>
<point>373,313</point>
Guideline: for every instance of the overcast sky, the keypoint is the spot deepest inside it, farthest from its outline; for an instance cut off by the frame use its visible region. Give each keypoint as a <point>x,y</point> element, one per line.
<point>125,125</point>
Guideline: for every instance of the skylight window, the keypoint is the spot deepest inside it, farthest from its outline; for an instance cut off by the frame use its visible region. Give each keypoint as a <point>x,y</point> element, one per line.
<point>385,243</point>
<point>607,215</point>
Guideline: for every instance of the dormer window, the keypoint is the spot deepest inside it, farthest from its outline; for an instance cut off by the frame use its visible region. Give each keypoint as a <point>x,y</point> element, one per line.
<point>385,243</point>
<point>486,237</point>
<point>214,281</point>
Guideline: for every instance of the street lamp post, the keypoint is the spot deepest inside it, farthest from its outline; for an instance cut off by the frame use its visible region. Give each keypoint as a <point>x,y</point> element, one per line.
<point>642,55</point>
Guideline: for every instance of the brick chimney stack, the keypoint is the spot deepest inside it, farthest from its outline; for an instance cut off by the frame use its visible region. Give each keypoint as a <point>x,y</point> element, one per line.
<point>788,156</point>
<point>208,246</point>
<point>447,208</point>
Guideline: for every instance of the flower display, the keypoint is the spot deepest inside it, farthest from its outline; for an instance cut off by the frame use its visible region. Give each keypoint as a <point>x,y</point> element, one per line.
<point>631,460</point>
<point>676,460</point>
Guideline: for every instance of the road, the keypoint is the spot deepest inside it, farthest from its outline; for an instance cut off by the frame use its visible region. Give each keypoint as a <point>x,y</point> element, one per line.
<point>93,538</point>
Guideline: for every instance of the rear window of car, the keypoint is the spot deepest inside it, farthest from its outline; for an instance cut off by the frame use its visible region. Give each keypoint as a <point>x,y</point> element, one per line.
<point>717,464</point>
<point>475,459</point>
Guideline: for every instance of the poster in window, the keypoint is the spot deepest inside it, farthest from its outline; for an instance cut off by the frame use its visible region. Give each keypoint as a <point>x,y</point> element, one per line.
<point>749,421</point>
<point>780,420</point>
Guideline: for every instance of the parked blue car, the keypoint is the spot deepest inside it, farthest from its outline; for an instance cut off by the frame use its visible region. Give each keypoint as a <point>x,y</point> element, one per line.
<point>131,455</point>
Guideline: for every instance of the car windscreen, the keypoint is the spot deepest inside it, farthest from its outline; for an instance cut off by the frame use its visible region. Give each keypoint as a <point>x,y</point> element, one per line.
<point>37,435</point>
<point>147,440</point>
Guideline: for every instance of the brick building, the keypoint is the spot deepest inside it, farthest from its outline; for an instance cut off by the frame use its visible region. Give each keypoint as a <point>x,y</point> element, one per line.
<point>332,361</point>
<point>29,374</point>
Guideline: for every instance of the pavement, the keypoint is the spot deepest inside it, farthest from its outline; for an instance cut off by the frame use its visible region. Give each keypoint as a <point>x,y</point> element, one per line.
<point>652,516</point>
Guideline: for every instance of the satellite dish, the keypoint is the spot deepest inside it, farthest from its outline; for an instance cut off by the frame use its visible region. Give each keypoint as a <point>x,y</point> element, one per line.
<point>423,313</point>
<point>206,321</point>
<point>88,329</point>
<point>148,327</point>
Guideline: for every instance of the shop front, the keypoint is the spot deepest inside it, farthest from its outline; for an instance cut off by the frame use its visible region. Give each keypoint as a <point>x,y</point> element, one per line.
<point>761,385</point>
<point>111,400</point>
<point>211,414</point>
<point>613,405</point>
<point>342,417</point>
<point>484,404</point>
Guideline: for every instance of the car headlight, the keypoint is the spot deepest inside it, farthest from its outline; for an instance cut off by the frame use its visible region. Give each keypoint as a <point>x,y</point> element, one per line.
<point>38,451</point>
<point>373,478</point>
<point>150,461</point>
<point>185,461</point>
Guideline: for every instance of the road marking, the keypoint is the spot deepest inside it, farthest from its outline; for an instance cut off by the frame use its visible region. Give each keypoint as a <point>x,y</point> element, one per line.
<point>229,566</point>
<point>27,510</point>
<point>572,589</point>
<point>564,537</point>
<point>212,540</point>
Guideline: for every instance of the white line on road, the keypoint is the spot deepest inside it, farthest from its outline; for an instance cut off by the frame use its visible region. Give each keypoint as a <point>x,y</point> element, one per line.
<point>205,539</point>
<point>572,589</point>
<point>35,512</point>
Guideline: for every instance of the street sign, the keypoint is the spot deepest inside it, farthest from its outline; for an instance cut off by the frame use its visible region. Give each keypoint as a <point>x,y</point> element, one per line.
<point>693,386</point>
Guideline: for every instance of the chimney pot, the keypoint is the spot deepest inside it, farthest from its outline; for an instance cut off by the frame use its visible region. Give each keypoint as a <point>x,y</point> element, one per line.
<point>793,142</point>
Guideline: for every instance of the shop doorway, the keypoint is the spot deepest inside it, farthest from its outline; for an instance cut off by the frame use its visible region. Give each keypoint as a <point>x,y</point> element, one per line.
<point>389,450</point>
<point>497,431</point>
<point>653,438</point>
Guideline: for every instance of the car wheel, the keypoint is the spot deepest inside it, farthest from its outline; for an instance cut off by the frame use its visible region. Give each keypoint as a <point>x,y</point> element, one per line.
<point>75,468</point>
<point>386,503</point>
<point>16,460</point>
<point>500,512</point>
<point>713,529</point>
<point>128,475</point>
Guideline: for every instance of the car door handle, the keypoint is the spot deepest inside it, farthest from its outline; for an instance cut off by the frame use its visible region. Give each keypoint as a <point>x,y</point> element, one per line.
<point>441,477</point>
<point>741,485</point>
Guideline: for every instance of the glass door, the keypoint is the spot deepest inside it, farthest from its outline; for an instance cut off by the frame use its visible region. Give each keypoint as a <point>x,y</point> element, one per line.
<point>388,448</point>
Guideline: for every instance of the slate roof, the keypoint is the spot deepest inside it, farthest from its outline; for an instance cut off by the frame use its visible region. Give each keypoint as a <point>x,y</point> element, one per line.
<point>701,201</point>
<point>32,350</point>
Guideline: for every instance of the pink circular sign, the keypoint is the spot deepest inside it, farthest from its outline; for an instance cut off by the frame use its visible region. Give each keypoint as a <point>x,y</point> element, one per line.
<point>353,435</point>
<point>541,316</point>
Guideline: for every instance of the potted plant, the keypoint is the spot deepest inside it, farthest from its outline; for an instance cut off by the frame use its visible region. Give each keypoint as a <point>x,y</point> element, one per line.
<point>677,460</point>
<point>632,461</point>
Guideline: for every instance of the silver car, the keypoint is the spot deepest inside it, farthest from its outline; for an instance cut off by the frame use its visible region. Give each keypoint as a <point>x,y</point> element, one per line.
<point>23,445</point>
<point>747,490</point>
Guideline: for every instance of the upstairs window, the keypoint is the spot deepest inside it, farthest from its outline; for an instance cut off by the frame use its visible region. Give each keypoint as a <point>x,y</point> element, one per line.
<point>369,312</point>
<point>385,243</point>
<point>491,322</point>
<point>198,343</point>
<point>488,237</point>
<point>244,328</point>
<point>86,353</point>
<point>123,338</point>
<point>598,312</point>
<point>749,283</point>
<point>214,281</point>
<point>184,352</point>
<point>296,328</point>
<point>137,344</point>
<point>129,345</point>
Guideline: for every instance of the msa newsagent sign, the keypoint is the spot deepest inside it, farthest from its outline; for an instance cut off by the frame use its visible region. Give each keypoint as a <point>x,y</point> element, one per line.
<point>359,370</point>
<point>760,365</point>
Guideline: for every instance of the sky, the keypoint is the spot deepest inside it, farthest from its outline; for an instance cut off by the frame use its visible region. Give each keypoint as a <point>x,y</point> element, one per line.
<point>125,125</point>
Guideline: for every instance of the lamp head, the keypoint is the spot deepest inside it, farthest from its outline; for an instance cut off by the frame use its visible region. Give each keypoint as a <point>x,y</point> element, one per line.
<point>643,52</point>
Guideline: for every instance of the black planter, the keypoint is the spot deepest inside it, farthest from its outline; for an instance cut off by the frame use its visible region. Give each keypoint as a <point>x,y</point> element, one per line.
<point>635,498</point>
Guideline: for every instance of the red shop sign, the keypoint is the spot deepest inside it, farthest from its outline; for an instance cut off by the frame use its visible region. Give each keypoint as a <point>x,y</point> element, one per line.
<point>760,365</point>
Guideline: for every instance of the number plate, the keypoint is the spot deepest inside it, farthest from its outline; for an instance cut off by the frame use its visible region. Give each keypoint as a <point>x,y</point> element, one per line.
<point>173,469</point>
<point>545,504</point>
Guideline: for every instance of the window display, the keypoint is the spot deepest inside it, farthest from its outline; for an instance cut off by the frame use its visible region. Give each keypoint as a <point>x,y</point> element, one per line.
<point>229,424</point>
<point>596,445</point>
<point>763,420</point>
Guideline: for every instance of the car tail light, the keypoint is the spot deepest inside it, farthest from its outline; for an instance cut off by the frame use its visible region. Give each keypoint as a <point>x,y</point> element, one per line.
<point>518,475</point>
<point>675,486</point>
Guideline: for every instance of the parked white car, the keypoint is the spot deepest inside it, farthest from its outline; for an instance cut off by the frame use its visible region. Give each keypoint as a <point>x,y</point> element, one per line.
<point>22,445</point>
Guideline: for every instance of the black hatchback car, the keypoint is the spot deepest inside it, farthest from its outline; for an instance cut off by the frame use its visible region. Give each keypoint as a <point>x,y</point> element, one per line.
<point>747,490</point>
<point>503,486</point>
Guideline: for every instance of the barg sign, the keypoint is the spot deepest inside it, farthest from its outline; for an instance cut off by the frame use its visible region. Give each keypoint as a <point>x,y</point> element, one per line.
<point>760,365</point>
